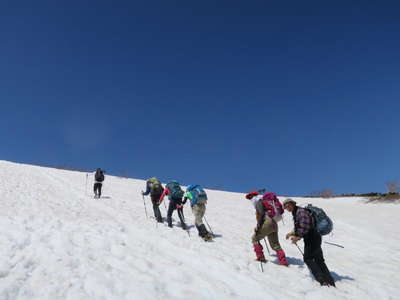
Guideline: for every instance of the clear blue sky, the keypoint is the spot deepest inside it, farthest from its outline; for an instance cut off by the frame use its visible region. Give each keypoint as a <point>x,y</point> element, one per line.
<point>295,97</point>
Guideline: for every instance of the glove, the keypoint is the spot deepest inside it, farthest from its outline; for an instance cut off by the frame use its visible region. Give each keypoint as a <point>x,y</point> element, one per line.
<point>295,239</point>
<point>289,234</point>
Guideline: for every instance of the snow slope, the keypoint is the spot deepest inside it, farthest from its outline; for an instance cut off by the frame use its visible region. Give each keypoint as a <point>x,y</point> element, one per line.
<point>58,243</point>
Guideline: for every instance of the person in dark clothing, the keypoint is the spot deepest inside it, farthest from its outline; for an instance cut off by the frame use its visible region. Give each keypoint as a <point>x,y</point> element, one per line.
<point>98,182</point>
<point>304,229</point>
<point>175,195</point>
<point>155,189</point>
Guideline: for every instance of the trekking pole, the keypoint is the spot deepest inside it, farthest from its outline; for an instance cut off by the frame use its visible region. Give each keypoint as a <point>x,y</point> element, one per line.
<point>333,244</point>
<point>299,249</point>
<point>269,253</point>
<point>184,221</point>
<point>208,225</point>
<point>188,232</point>
<point>145,209</point>
<point>181,215</point>
<point>86,184</point>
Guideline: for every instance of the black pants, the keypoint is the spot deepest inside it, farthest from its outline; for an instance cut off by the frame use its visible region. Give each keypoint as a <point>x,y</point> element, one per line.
<point>314,258</point>
<point>156,207</point>
<point>171,207</point>
<point>97,189</point>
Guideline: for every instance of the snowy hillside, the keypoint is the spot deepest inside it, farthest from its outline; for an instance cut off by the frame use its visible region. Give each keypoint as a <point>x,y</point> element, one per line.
<point>58,243</point>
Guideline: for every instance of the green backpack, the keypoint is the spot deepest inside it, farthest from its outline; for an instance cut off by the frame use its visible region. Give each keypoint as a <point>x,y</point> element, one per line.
<point>175,190</point>
<point>156,188</point>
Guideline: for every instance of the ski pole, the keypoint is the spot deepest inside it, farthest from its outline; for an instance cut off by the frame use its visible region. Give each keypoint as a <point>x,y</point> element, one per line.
<point>145,209</point>
<point>261,265</point>
<point>269,253</point>
<point>208,225</point>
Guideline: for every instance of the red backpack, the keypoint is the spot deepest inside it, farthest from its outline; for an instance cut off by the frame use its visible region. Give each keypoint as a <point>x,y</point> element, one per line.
<point>273,206</point>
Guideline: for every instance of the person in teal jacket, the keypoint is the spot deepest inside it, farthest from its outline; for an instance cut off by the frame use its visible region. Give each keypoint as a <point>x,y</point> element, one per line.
<point>198,201</point>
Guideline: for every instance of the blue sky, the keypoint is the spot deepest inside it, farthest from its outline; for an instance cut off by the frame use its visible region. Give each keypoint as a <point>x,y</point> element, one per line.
<point>294,97</point>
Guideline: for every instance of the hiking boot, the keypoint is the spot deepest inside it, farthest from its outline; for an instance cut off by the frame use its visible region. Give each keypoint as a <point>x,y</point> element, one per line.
<point>207,238</point>
<point>263,260</point>
<point>325,284</point>
<point>202,231</point>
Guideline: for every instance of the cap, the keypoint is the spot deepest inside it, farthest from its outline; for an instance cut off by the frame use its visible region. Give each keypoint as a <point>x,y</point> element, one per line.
<point>288,200</point>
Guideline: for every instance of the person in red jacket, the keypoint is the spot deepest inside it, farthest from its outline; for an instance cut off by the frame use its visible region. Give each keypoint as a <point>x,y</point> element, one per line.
<point>268,210</point>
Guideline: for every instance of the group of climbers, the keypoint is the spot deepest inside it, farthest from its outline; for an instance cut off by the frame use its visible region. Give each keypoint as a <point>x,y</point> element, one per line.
<point>269,211</point>
<point>177,199</point>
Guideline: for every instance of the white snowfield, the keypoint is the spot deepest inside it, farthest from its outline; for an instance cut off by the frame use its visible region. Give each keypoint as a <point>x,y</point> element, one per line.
<point>57,242</point>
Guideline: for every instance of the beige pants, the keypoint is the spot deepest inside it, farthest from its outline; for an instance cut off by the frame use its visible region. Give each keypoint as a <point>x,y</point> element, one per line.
<point>270,230</point>
<point>198,211</point>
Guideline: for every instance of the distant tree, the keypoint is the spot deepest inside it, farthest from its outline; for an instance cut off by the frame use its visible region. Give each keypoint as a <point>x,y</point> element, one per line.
<point>393,187</point>
<point>327,193</point>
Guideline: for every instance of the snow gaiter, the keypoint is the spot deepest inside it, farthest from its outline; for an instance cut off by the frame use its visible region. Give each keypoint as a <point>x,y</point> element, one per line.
<point>282,257</point>
<point>258,249</point>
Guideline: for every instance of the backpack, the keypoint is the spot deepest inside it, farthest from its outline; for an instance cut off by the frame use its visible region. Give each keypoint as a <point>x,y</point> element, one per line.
<point>175,190</point>
<point>156,188</point>
<point>99,176</point>
<point>271,203</point>
<point>322,223</point>
<point>199,195</point>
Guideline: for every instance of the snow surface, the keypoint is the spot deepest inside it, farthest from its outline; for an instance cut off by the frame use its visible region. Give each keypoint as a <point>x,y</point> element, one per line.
<point>59,243</point>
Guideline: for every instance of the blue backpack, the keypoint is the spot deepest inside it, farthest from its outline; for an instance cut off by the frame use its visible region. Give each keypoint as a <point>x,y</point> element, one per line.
<point>199,195</point>
<point>175,190</point>
<point>322,223</point>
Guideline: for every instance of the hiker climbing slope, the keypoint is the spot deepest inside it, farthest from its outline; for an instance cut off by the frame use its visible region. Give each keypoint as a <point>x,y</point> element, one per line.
<point>198,201</point>
<point>155,189</point>
<point>98,182</point>
<point>175,193</point>
<point>268,209</point>
<point>304,229</point>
